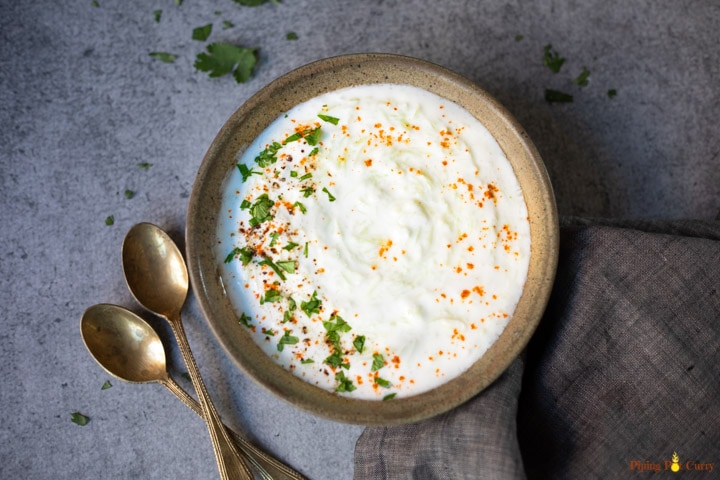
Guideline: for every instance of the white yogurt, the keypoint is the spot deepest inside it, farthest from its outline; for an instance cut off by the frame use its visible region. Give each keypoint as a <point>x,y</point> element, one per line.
<point>390,243</point>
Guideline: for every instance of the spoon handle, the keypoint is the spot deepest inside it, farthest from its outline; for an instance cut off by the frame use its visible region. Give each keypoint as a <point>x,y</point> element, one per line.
<point>230,463</point>
<point>274,468</point>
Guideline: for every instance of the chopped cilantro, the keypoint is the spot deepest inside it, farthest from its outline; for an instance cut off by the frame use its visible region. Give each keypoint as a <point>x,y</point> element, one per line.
<point>227,24</point>
<point>106,385</point>
<point>611,93</point>
<point>307,191</point>
<point>302,209</point>
<point>582,79</point>
<point>288,265</point>
<point>94,3</point>
<point>313,138</point>
<point>519,37</point>
<point>286,339</point>
<point>245,319</point>
<point>129,194</point>
<point>269,332</point>
<point>271,296</point>
<point>294,174</point>
<point>110,220</point>
<point>144,165</point>
<point>260,210</point>
<point>305,250</point>
<point>328,118</point>
<point>554,96</point>
<point>246,172</point>
<point>223,58</point>
<point>359,343</point>
<point>389,396</point>
<point>313,152</point>
<point>305,361</point>
<point>344,383</point>
<point>336,324</point>
<point>336,360</point>
<point>157,14</point>
<point>178,2</point>
<point>378,362</point>
<point>246,254</point>
<point>274,267</point>
<point>274,238</point>
<point>311,306</point>
<point>202,33</point>
<point>382,382</point>
<point>268,156</point>
<point>245,204</point>
<point>79,418</point>
<point>290,246</point>
<point>552,59</point>
<point>164,57</point>
<point>291,304</point>
<point>291,36</point>
<point>306,176</point>
<point>330,195</point>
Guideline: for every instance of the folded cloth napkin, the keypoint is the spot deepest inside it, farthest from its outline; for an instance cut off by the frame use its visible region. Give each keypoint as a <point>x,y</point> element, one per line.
<point>621,379</point>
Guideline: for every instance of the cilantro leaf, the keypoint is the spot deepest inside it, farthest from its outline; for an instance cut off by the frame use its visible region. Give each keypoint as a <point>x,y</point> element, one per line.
<point>106,385</point>
<point>552,59</point>
<point>157,14</point>
<point>164,57</point>
<point>582,79</point>
<point>245,319</point>
<point>311,306</point>
<point>246,172</point>
<point>260,210</point>
<point>268,156</point>
<point>611,93</point>
<point>79,418</point>
<point>390,396</point>
<point>223,58</point>
<point>344,383</point>
<point>554,96</point>
<point>271,296</point>
<point>382,382</point>
<point>330,195</point>
<point>287,339</point>
<point>274,267</point>
<point>378,362</point>
<point>227,24</point>
<point>110,220</point>
<point>328,118</point>
<point>291,36</point>
<point>202,33</point>
<point>129,194</point>
<point>359,343</point>
<point>245,253</point>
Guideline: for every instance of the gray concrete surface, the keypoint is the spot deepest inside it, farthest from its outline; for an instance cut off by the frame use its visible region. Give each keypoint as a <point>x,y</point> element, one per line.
<point>82,103</point>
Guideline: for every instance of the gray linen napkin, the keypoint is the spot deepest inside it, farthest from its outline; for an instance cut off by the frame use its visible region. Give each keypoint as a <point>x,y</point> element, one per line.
<point>623,372</point>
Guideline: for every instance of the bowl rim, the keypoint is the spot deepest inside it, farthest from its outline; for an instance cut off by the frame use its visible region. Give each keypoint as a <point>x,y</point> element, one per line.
<point>326,75</point>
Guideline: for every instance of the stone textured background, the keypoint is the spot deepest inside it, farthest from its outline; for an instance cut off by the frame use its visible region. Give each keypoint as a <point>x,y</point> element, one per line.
<point>82,103</point>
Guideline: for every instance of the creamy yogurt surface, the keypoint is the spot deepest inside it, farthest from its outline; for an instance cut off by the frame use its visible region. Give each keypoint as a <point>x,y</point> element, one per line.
<point>374,241</point>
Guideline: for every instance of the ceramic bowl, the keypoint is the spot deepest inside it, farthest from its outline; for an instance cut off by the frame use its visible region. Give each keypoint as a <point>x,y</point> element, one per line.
<point>310,81</point>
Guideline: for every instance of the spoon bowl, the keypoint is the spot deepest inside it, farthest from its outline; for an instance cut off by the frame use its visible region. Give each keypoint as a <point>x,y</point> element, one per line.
<point>125,345</point>
<point>155,270</point>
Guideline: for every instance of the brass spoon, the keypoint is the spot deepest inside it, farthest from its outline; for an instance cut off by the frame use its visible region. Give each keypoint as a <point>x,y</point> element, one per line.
<point>157,277</point>
<point>128,348</point>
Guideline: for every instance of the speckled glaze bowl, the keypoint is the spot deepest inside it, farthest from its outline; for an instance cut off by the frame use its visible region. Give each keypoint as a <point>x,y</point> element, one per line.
<point>310,81</point>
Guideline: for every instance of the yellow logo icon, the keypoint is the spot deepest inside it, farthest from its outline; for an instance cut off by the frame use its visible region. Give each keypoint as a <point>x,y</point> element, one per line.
<point>675,467</point>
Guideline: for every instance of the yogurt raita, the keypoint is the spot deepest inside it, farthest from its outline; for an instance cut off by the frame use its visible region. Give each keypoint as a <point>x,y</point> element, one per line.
<point>374,241</point>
